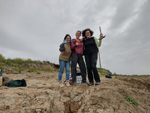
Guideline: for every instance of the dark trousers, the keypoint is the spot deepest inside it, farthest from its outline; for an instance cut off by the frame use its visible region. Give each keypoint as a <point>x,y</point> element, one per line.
<point>91,61</point>
<point>77,58</point>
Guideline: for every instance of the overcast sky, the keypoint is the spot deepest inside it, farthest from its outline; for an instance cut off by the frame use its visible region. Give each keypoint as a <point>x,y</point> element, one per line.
<point>35,29</point>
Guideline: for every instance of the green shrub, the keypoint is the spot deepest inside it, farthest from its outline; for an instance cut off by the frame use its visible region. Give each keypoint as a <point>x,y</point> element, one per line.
<point>31,69</point>
<point>38,72</point>
<point>131,100</point>
<point>103,71</point>
<point>8,62</point>
<point>18,61</point>
<point>1,68</point>
<point>2,59</point>
<point>19,69</point>
<point>28,60</point>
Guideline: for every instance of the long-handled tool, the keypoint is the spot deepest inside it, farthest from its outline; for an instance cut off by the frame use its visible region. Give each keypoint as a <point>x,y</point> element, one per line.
<point>101,34</point>
<point>101,37</point>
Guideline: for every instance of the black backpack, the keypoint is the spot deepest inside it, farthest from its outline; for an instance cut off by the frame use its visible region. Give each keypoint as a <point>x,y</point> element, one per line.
<point>16,83</point>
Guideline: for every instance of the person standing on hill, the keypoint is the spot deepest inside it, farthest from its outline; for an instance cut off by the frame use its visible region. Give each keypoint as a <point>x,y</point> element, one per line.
<point>77,48</point>
<point>64,59</point>
<point>91,50</point>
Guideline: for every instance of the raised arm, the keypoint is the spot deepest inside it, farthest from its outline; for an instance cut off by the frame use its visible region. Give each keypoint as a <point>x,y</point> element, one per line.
<point>98,42</point>
<point>61,48</point>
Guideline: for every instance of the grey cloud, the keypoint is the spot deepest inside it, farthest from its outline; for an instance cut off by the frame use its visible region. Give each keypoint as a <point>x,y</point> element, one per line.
<point>124,11</point>
<point>131,47</point>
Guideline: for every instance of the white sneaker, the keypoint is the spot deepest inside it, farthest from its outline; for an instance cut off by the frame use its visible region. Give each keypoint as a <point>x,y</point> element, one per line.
<point>67,83</point>
<point>61,84</point>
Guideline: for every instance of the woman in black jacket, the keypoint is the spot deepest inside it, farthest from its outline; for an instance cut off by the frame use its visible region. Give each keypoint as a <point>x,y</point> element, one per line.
<point>91,50</point>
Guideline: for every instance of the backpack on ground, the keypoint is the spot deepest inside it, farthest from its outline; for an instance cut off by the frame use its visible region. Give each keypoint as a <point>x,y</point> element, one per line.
<point>16,83</point>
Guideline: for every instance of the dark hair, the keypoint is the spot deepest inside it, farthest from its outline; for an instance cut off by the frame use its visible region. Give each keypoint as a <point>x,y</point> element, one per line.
<point>66,37</point>
<point>84,31</point>
<point>79,31</point>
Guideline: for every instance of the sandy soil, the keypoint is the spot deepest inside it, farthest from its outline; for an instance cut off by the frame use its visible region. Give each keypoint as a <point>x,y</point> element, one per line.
<point>44,95</point>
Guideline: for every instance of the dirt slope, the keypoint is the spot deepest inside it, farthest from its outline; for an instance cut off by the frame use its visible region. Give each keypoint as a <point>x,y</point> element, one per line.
<point>44,95</point>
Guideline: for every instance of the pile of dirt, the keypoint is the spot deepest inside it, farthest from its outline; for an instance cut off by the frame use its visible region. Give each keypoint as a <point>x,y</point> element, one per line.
<point>44,95</point>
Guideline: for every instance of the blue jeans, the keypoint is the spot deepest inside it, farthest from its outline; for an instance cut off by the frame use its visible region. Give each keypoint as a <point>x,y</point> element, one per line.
<point>64,64</point>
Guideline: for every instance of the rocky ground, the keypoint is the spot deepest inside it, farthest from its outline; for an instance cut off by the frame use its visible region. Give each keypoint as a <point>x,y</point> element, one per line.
<point>44,95</point>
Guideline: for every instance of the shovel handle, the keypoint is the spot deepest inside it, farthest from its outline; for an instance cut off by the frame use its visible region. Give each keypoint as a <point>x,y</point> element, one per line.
<point>100,30</point>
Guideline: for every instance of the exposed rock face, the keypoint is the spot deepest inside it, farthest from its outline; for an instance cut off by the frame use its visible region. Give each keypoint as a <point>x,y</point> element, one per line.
<point>44,95</point>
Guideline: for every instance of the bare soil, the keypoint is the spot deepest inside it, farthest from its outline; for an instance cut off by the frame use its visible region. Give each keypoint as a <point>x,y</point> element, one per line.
<point>43,94</point>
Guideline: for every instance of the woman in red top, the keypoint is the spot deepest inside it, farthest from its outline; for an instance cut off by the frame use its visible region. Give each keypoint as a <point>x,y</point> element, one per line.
<point>77,48</point>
